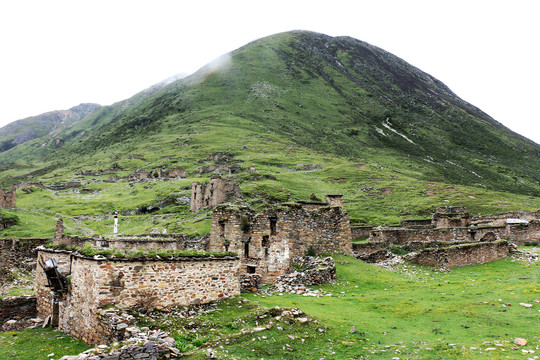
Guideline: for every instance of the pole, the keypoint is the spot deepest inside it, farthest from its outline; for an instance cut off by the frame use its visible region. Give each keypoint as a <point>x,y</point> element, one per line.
<point>115,229</point>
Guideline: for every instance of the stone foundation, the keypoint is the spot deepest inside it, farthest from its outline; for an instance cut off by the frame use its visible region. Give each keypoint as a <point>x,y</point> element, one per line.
<point>463,255</point>
<point>17,308</point>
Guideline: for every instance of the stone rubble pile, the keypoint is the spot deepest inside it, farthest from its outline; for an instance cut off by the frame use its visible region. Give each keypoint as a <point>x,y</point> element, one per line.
<point>141,344</point>
<point>250,283</point>
<point>315,271</point>
<point>528,256</point>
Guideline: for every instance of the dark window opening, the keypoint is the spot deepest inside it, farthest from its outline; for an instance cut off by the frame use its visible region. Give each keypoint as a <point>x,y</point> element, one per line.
<point>273,221</point>
<point>251,269</point>
<point>265,244</point>
<point>246,248</point>
<point>222,228</point>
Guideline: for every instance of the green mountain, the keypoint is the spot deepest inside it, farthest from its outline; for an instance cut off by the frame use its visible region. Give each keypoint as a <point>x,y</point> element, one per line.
<point>48,124</point>
<point>312,114</point>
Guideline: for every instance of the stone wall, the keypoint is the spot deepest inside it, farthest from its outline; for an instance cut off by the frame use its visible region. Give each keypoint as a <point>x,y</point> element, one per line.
<point>402,236</point>
<point>500,219</point>
<point>16,308</point>
<point>462,255</point>
<point>19,252</point>
<point>155,241</point>
<point>524,233</point>
<point>46,304</point>
<point>267,241</point>
<point>451,216</point>
<point>97,283</point>
<point>360,231</point>
<point>216,191</point>
<point>8,198</point>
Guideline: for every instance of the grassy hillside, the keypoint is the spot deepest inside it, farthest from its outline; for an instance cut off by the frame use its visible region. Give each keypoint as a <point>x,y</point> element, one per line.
<point>312,114</point>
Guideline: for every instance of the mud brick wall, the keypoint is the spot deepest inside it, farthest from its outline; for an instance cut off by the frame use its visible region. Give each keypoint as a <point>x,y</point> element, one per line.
<point>462,255</point>
<point>20,307</point>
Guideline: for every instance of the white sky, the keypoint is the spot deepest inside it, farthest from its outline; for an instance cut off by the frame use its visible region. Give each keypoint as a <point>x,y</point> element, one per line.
<point>56,54</point>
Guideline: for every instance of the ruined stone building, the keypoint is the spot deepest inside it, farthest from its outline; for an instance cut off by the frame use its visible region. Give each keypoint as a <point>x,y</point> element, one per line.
<point>454,237</point>
<point>216,191</point>
<point>81,307</point>
<point>266,241</point>
<point>8,198</point>
<point>451,216</point>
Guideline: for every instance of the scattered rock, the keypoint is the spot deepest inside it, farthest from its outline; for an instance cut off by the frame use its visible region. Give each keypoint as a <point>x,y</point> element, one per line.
<point>520,341</point>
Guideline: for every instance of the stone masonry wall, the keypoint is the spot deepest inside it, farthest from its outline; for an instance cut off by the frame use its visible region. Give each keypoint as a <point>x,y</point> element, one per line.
<point>20,307</point>
<point>403,236</point>
<point>8,198</point>
<point>19,252</point>
<point>133,284</point>
<point>267,241</point>
<point>45,299</point>
<point>500,219</point>
<point>216,191</point>
<point>462,255</point>
<point>172,242</point>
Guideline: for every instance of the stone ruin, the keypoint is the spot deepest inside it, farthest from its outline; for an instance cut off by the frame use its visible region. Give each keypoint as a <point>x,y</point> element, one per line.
<point>98,283</point>
<point>453,237</point>
<point>268,245</point>
<point>267,241</point>
<point>217,191</point>
<point>8,198</point>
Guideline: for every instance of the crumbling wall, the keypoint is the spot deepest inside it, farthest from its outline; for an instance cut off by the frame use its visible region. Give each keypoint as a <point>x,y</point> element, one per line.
<point>97,283</point>
<point>462,255</point>
<point>46,303</point>
<point>217,191</point>
<point>524,233</point>
<point>19,252</point>
<point>360,231</point>
<point>17,307</point>
<point>402,236</point>
<point>500,219</point>
<point>267,241</point>
<point>8,198</point>
<point>155,241</point>
<point>451,216</point>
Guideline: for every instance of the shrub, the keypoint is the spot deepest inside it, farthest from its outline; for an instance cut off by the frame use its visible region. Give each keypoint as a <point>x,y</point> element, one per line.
<point>244,223</point>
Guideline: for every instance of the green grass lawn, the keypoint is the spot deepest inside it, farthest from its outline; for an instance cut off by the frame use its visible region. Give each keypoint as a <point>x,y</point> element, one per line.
<point>38,344</point>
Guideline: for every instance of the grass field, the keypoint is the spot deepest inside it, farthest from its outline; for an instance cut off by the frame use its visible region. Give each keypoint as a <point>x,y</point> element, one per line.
<point>412,312</point>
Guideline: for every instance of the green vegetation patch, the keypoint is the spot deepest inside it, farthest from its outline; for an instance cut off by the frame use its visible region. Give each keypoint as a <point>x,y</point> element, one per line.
<point>133,254</point>
<point>38,344</point>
